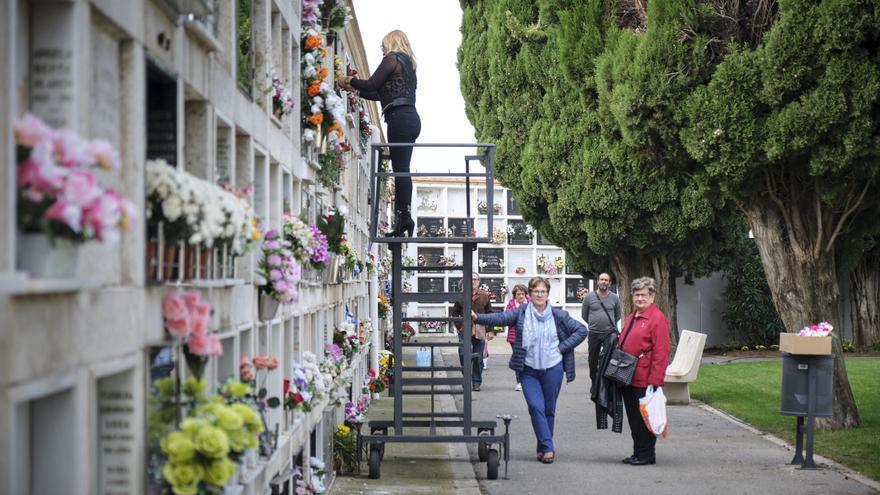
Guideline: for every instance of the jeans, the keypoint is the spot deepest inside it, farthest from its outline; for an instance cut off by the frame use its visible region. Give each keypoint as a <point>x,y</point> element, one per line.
<point>541,389</point>
<point>404,126</point>
<point>477,362</point>
<point>644,440</point>
<point>515,372</point>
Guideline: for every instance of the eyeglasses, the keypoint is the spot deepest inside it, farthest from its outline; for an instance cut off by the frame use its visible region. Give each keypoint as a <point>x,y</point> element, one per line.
<point>539,292</point>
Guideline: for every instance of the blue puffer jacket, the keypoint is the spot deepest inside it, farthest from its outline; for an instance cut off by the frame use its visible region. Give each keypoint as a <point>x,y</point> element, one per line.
<point>569,331</point>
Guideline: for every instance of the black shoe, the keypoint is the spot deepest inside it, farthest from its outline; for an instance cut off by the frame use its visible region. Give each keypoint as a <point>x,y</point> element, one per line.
<point>403,224</point>
<point>628,460</point>
<point>642,461</point>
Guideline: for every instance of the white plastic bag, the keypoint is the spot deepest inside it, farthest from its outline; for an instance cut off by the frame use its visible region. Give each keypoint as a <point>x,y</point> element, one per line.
<point>653,409</point>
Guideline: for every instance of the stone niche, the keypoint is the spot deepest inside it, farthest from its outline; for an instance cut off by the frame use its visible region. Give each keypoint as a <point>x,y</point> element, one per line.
<point>161,115</point>
<point>117,431</point>
<point>52,62</point>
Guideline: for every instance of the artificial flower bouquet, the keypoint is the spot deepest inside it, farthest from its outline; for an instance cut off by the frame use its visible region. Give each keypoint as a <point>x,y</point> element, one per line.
<point>58,193</point>
<point>282,99</point>
<point>333,227</point>
<point>188,317</point>
<point>810,340</point>
<point>279,268</point>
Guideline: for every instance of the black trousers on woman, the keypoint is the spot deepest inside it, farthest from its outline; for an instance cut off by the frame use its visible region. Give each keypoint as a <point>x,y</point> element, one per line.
<point>644,440</point>
<point>404,126</point>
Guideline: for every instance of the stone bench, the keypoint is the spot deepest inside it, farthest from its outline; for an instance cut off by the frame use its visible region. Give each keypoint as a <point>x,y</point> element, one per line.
<point>684,367</point>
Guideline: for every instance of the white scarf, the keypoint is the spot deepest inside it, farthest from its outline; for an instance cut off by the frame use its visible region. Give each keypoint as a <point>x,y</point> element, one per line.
<point>535,322</point>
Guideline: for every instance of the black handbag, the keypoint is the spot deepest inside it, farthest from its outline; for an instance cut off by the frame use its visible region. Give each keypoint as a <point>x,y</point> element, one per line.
<point>622,365</point>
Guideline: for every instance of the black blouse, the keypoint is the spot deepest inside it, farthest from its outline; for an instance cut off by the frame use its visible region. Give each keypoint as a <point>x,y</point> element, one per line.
<point>393,81</point>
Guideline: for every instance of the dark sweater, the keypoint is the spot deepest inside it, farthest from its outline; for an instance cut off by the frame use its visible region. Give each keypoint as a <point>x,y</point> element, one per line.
<point>393,81</point>
<point>569,331</point>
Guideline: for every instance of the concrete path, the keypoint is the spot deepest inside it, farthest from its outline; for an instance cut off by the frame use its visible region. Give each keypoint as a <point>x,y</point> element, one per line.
<point>705,453</point>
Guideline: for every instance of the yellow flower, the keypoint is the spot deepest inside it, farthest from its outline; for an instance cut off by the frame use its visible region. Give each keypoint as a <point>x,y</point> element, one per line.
<point>192,425</point>
<point>178,446</point>
<point>212,442</point>
<point>228,419</point>
<point>343,429</point>
<point>183,477</point>
<point>236,390</point>
<point>193,386</point>
<point>239,441</point>
<point>219,471</point>
<point>251,419</point>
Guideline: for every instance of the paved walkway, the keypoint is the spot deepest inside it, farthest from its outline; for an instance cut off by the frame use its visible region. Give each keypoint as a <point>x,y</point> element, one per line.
<point>704,453</point>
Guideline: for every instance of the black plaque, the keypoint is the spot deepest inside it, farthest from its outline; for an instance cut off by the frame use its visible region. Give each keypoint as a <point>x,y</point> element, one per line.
<point>161,116</point>
<point>490,260</point>
<point>430,227</point>
<point>512,207</point>
<point>453,284</point>
<point>494,287</point>
<point>572,285</point>
<point>518,232</point>
<point>459,227</point>
<point>542,241</point>
<point>431,284</point>
<point>429,256</point>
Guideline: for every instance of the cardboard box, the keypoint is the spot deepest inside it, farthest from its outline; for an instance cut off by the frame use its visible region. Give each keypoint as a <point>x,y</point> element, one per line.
<point>795,344</point>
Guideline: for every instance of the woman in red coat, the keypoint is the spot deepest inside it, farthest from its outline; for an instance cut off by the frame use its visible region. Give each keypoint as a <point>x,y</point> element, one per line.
<point>646,335</point>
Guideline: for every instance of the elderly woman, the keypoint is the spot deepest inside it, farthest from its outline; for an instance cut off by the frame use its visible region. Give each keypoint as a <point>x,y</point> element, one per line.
<point>542,350</point>
<point>646,335</point>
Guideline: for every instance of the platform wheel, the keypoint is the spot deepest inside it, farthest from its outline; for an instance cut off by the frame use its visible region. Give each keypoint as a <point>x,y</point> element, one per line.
<point>483,451</point>
<point>492,463</point>
<point>376,460</point>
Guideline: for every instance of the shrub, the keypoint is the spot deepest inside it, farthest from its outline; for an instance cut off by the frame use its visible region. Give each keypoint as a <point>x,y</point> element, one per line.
<point>750,314</point>
<point>847,345</point>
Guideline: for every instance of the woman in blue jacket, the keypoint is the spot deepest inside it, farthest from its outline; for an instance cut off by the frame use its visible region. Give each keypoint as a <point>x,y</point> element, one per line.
<point>543,350</point>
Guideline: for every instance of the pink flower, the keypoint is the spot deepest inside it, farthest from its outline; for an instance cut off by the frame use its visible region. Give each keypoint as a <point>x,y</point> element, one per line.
<point>273,260</point>
<point>261,362</point>
<point>281,286</point>
<point>273,245</point>
<point>272,363</point>
<point>104,154</point>
<point>30,130</point>
<point>176,315</point>
<point>70,149</point>
<point>275,274</point>
<point>40,171</point>
<point>81,188</point>
<point>207,346</point>
<point>192,299</point>
<point>67,213</point>
<point>103,217</point>
<point>200,318</point>
<point>271,234</point>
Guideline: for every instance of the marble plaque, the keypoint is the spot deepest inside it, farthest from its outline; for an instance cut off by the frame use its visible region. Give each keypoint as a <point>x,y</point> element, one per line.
<point>431,284</point>
<point>432,257</point>
<point>518,234</point>
<point>512,207</point>
<point>104,113</point>
<point>494,288</point>
<point>490,260</point>
<point>117,429</point>
<point>52,61</point>
<point>572,285</point>
<point>459,227</point>
<point>431,225</point>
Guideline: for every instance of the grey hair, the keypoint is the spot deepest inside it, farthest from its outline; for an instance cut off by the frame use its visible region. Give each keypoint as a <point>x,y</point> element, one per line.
<point>644,283</point>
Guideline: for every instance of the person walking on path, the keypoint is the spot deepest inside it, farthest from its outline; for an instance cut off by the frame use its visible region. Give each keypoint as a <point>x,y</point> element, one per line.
<point>394,85</point>
<point>542,351</point>
<point>601,310</point>
<point>480,304</point>
<point>646,336</point>
<point>519,298</point>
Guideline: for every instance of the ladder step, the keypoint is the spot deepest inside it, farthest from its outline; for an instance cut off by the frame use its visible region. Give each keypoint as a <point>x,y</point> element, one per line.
<point>431,268</point>
<point>450,343</point>
<point>435,368</point>
<point>432,240</point>
<point>451,319</point>
<point>428,391</point>
<point>429,415</point>
<point>432,381</point>
<point>430,297</point>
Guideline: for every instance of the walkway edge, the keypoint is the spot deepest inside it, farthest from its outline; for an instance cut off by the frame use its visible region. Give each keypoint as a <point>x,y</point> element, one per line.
<point>782,443</point>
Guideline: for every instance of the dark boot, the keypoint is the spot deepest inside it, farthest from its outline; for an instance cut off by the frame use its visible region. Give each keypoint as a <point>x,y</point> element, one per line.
<point>403,224</point>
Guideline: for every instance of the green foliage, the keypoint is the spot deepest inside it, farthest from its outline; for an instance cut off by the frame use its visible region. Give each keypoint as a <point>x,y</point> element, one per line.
<point>749,313</point>
<point>333,226</point>
<point>331,164</point>
<point>750,392</point>
<point>847,345</point>
<point>245,55</point>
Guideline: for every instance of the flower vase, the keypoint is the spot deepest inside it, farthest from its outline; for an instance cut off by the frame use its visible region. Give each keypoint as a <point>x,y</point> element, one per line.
<point>268,306</point>
<point>152,258</point>
<point>195,363</point>
<point>42,258</point>
<point>189,265</point>
<point>169,261</point>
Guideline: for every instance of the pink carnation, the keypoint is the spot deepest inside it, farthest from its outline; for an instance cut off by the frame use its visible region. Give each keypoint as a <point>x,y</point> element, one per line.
<point>67,213</point>
<point>207,346</point>
<point>104,154</point>
<point>177,319</point>
<point>192,299</point>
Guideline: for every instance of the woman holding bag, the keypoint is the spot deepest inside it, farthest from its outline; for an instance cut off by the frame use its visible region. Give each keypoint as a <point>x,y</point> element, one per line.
<point>645,335</point>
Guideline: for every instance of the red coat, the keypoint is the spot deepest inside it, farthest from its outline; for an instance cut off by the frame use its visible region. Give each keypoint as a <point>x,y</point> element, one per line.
<point>650,335</point>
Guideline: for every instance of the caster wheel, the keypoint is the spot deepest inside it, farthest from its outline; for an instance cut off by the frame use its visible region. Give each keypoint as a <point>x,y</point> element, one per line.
<point>492,462</point>
<point>376,459</point>
<point>483,451</point>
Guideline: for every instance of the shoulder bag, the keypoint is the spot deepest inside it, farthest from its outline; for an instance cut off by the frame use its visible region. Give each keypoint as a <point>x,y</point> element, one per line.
<point>622,365</point>
<point>613,324</point>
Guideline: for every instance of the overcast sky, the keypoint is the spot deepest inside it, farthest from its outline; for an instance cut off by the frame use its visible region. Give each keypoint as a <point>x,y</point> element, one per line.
<point>433,31</point>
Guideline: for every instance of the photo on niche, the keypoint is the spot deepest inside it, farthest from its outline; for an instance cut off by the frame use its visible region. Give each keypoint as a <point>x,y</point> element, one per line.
<point>572,285</point>
<point>490,260</point>
<point>430,284</point>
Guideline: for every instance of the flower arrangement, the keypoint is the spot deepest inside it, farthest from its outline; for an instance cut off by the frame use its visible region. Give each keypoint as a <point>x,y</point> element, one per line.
<point>317,475</point>
<point>498,236</point>
<point>350,260</point>
<point>344,448</point>
<point>282,99</point>
<point>422,231</point>
<point>333,227</point>
<point>188,317</point>
<point>376,383</point>
<point>431,326</point>
<point>370,264</point>
<point>355,412</point>
<point>347,339</point>
<point>298,390</point>
<point>300,237</point>
<point>520,229</point>
<point>57,193</point>
<point>407,331</point>
<point>483,207</point>
<point>384,306</point>
<point>547,267</point>
<point>822,329</point>
<point>196,211</point>
<point>332,367</point>
<point>279,269</point>
<point>447,260</point>
<point>252,390</point>
<point>320,252</point>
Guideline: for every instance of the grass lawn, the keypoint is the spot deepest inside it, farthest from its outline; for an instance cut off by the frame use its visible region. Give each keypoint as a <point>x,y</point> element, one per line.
<point>750,391</point>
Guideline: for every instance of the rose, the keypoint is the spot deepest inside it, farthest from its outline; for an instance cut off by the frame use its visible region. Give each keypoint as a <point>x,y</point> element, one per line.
<point>207,345</point>
<point>241,440</point>
<point>200,318</point>
<point>192,425</point>
<point>219,471</point>
<point>178,446</point>
<point>228,418</point>
<point>176,315</point>
<point>183,477</point>
<point>212,442</point>
<point>235,390</point>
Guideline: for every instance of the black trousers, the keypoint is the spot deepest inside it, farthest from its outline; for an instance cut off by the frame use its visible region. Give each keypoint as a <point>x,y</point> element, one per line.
<point>404,126</point>
<point>644,440</point>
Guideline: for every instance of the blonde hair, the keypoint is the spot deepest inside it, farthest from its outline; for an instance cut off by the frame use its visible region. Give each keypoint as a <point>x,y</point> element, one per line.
<point>396,41</point>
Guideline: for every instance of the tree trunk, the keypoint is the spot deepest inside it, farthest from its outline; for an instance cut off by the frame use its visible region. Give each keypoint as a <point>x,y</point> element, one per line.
<point>804,286</point>
<point>633,265</point>
<point>865,293</point>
